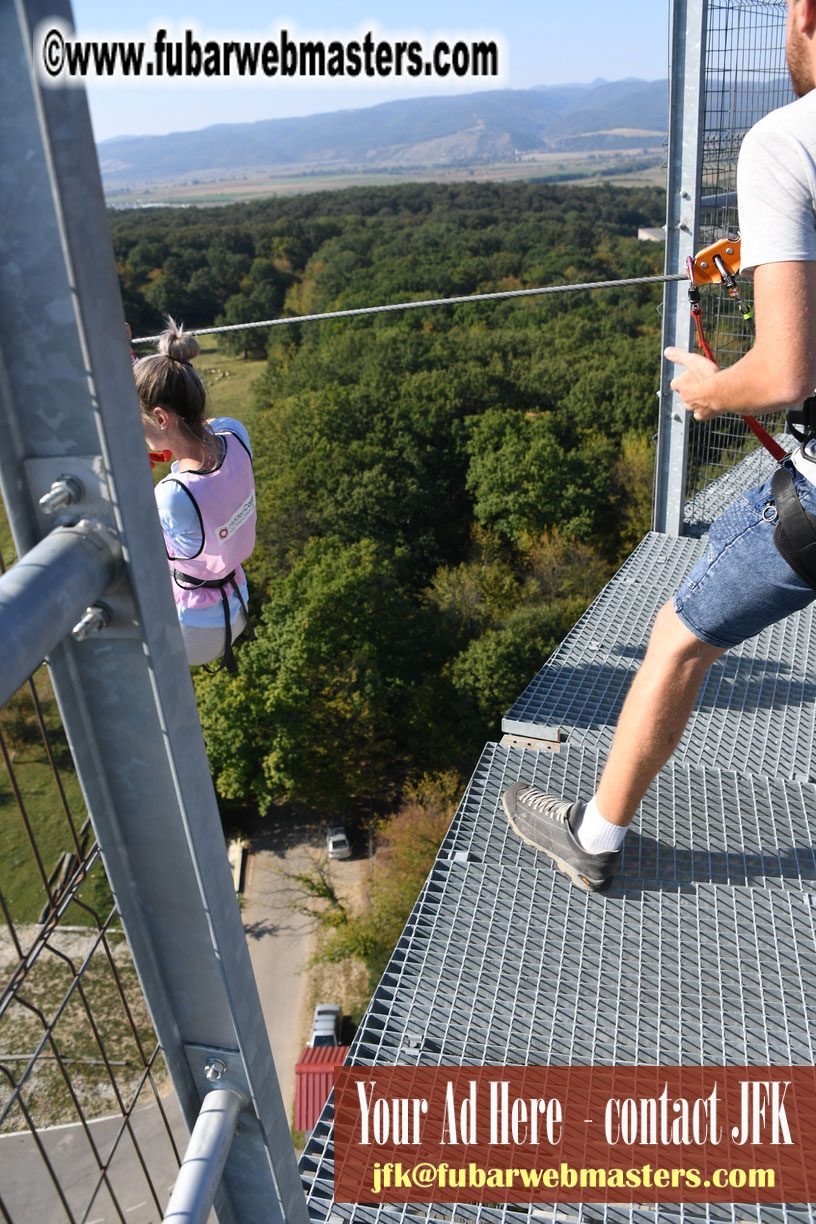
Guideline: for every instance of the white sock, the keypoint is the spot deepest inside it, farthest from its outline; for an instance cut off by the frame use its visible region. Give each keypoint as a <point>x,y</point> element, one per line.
<point>596,834</point>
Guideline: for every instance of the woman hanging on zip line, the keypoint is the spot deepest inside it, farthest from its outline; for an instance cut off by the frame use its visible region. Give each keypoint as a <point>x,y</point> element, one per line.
<point>206,503</point>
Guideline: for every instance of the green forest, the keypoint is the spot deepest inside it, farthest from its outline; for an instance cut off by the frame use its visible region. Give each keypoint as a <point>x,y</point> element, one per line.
<point>441,491</point>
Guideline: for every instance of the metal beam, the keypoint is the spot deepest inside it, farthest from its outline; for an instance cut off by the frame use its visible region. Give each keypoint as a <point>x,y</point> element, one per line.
<point>67,395</point>
<point>686,101</point>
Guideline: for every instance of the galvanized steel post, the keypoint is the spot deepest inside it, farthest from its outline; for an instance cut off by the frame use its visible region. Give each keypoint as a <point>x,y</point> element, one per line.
<point>686,100</point>
<point>68,412</point>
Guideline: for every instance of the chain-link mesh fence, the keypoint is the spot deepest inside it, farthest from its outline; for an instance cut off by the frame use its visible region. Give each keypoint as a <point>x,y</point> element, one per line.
<point>745,77</point>
<point>85,1118</point>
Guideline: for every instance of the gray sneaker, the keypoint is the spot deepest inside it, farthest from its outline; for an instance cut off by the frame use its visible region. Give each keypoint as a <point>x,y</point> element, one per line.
<point>544,821</point>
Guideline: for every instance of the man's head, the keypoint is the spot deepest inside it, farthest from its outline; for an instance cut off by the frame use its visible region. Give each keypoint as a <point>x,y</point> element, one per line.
<point>800,45</point>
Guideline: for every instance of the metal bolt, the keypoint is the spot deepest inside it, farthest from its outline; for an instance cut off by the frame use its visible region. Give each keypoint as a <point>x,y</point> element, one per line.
<point>65,491</point>
<point>92,620</point>
<point>214,1070</point>
<point>729,250</point>
<point>703,263</point>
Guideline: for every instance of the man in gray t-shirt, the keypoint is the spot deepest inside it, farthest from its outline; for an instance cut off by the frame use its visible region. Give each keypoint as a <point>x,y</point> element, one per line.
<point>743,584</point>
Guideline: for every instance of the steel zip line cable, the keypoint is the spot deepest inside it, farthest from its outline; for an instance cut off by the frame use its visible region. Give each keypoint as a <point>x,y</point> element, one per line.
<point>451,301</point>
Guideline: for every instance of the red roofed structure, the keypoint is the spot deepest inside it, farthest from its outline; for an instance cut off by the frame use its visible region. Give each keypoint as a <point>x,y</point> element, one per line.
<point>314,1080</point>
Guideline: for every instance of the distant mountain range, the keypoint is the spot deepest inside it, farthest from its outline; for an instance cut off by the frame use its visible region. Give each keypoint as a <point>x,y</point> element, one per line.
<point>501,125</point>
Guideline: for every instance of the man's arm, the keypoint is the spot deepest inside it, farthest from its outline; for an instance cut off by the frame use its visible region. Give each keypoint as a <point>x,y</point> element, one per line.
<point>780,368</point>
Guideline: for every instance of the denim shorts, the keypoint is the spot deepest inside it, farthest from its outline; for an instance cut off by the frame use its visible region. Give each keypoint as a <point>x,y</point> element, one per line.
<point>743,584</point>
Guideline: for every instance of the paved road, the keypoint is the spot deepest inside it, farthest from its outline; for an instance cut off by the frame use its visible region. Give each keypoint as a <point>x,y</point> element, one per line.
<point>281,941</point>
<point>30,1197</point>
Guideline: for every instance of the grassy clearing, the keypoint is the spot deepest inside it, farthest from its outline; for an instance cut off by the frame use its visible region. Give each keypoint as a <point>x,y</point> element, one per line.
<point>32,787</point>
<point>229,381</point>
<point>34,833</point>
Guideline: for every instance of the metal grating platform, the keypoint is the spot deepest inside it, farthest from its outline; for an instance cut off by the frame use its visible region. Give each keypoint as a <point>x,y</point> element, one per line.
<point>704,952</point>
<point>695,826</point>
<point>757,706</point>
<point>565,1214</point>
<point>634,981</point>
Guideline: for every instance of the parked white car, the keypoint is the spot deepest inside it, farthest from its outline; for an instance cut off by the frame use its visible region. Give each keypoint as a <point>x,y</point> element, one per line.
<point>325,1025</point>
<point>337,842</point>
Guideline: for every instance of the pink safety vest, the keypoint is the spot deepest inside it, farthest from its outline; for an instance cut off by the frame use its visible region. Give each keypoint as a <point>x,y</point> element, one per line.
<point>225,502</point>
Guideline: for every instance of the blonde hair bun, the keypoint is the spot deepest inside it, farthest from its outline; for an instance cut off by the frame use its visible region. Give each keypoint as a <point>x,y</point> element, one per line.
<point>177,343</point>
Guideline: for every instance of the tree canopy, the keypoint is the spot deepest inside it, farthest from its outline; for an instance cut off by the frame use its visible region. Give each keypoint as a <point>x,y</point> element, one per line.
<point>440,491</point>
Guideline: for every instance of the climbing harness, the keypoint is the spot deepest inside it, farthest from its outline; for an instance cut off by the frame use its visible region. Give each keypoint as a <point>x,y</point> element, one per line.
<point>801,422</point>
<point>795,530</point>
<point>188,582</point>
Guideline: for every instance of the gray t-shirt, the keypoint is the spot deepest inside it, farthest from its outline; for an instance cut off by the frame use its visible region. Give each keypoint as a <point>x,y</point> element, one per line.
<point>776,186</point>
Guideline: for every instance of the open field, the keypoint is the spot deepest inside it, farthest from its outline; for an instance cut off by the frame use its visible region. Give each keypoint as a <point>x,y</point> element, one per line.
<point>229,381</point>
<point>581,167</point>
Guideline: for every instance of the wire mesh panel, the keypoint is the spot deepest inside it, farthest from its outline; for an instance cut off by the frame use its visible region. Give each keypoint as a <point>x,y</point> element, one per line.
<point>84,1125</point>
<point>745,77</point>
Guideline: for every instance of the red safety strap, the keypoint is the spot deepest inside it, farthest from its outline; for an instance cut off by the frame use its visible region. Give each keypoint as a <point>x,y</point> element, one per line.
<point>771,445</point>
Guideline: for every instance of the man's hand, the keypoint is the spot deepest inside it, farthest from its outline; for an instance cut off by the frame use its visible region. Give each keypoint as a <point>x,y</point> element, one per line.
<point>694,386</point>
<point>779,369</point>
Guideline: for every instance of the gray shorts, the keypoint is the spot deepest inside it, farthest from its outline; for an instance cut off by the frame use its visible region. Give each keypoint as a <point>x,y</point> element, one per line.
<point>743,584</point>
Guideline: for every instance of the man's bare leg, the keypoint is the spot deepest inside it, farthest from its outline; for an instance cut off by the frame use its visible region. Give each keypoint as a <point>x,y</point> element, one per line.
<point>585,840</point>
<point>654,715</point>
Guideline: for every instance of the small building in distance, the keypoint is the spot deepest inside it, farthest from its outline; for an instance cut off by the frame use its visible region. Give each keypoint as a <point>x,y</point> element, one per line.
<point>655,233</point>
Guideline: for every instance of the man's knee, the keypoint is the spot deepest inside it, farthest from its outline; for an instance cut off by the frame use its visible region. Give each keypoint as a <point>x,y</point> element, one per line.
<point>675,645</point>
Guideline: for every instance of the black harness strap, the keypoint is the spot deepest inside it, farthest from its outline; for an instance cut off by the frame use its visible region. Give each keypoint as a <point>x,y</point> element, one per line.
<point>188,583</point>
<point>801,422</point>
<point>795,531</point>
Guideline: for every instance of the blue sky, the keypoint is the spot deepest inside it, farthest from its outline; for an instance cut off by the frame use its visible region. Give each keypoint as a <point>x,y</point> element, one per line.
<point>545,42</point>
